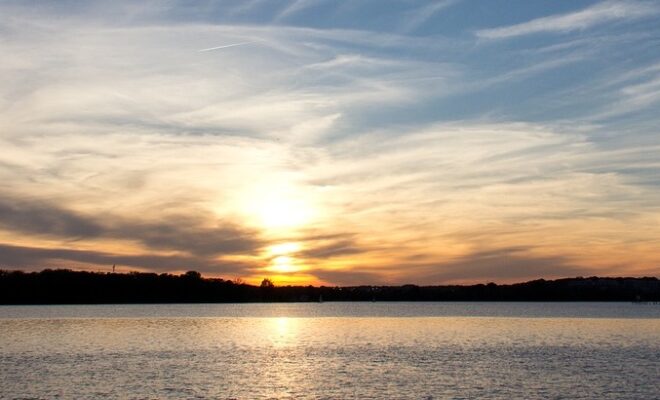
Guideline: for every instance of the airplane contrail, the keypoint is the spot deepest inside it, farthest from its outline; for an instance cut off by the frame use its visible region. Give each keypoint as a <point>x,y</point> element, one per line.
<point>229,45</point>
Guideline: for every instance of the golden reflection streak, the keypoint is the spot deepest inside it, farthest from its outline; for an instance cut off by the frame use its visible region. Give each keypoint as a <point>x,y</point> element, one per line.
<point>284,331</point>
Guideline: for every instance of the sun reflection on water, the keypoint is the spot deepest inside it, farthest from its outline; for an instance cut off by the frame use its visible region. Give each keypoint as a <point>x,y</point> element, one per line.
<point>283,331</point>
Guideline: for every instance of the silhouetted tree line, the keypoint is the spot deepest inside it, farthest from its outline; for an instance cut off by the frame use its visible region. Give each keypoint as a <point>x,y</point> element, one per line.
<point>78,287</point>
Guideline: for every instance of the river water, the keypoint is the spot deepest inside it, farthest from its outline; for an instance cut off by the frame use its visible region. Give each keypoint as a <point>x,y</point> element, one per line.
<point>331,351</point>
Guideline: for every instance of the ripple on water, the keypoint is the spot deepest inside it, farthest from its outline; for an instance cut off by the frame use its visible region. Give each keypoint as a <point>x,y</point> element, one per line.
<point>330,357</point>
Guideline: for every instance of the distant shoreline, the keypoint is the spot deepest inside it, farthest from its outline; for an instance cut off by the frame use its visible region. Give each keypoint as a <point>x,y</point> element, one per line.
<point>64,286</point>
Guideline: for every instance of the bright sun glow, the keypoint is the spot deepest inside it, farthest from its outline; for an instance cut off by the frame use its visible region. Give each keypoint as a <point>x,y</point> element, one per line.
<point>284,248</point>
<point>283,212</point>
<point>279,206</point>
<point>282,257</point>
<point>283,264</point>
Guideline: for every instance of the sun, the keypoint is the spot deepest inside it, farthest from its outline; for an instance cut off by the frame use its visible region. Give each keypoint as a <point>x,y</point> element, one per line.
<point>282,258</point>
<point>279,207</point>
<point>278,211</point>
<point>283,265</point>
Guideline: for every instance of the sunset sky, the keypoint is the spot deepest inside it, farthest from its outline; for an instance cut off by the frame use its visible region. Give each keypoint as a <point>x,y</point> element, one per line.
<point>332,142</point>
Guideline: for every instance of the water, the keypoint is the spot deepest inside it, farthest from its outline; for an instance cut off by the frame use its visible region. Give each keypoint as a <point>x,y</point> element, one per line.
<point>331,351</point>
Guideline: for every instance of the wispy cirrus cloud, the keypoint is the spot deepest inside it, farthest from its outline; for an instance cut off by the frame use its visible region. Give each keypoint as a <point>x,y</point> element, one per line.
<point>600,13</point>
<point>635,96</point>
<point>416,18</point>
<point>225,46</point>
<point>296,6</point>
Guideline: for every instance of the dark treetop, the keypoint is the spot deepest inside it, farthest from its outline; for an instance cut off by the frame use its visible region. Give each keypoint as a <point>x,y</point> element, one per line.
<point>78,287</point>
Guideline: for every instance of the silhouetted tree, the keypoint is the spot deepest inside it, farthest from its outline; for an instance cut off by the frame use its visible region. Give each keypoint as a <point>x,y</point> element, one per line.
<point>193,275</point>
<point>267,283</point>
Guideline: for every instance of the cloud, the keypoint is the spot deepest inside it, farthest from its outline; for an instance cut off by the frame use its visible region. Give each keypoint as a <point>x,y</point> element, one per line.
<point>420,16</point>
<point>295,7</point>
<point>348,277</point>
<point>342,247</point>
<point>37,217</point>
<point>191,234</point>
<point>34,258</point>
<point>144,79</point>
<point>228,46</point>
<point>633,97</point>
<point>501,265</point>
<point>597,14</point>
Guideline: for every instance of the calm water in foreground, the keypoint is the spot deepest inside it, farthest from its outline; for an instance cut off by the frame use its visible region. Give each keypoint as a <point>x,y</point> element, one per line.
<point>331,350</point>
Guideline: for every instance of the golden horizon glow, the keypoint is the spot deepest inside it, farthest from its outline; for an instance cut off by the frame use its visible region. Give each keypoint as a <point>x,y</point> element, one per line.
<point>283,264</point>
<point>282,258</point>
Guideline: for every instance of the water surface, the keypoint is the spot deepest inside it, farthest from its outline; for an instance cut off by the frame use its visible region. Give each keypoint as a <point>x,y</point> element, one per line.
<point>331,350</point>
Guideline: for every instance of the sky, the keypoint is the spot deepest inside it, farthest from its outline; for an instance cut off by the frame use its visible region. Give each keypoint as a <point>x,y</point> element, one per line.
<point>332,142</point>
